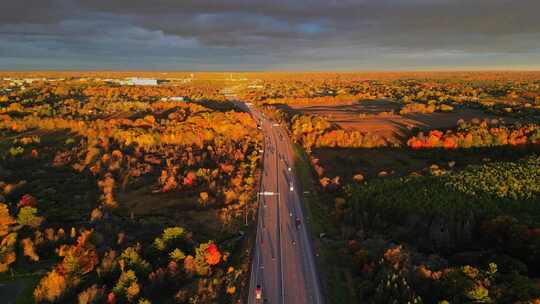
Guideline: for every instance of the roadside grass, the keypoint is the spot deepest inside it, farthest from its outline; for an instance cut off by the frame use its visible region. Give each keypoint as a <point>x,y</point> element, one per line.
<point>19,284</point>
<point>19,290</point>
<point>312,206</point>
<point>333,277</point>
<point>27,295</point>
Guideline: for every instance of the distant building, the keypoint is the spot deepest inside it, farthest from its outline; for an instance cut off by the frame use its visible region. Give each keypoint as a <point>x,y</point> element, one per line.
<point>140,81</point>
<point>175,98</point>
<point>30,80</point>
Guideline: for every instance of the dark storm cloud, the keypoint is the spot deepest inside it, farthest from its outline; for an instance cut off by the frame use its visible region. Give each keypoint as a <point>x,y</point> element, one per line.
<point>34,11</point>
<point>237,34</point>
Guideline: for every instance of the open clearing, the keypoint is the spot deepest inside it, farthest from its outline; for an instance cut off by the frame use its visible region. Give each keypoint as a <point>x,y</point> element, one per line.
<point>381,117</point>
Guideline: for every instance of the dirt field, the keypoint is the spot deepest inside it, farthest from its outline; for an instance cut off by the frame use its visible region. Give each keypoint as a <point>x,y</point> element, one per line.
<point>366,116</point>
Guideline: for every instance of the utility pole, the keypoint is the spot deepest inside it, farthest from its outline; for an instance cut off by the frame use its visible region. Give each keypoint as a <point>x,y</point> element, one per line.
<point>246,211</point>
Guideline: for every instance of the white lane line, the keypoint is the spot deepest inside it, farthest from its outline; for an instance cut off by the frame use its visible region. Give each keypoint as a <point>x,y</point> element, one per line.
<point>280,231</point>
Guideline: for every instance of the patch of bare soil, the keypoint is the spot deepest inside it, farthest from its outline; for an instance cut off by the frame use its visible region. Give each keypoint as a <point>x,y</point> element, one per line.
<point>381,117</point>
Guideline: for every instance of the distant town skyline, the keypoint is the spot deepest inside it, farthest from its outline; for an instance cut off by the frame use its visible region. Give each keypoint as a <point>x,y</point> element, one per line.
<point>270,35</point>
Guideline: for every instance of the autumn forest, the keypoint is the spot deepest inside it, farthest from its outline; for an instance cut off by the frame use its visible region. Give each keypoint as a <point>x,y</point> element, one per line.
<point>419,187</point>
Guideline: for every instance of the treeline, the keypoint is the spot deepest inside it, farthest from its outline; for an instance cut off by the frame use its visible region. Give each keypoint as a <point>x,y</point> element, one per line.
<point>315,131</point>
<point>510,95</point>
<point>479,134</point>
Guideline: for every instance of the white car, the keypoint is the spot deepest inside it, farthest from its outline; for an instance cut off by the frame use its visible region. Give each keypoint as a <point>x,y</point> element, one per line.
<point>291,187</point>
<point>289,169</point>
<point>258,292</point>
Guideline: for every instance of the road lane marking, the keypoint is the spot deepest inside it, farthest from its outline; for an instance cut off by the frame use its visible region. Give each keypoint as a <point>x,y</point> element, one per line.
<point>268,193</point>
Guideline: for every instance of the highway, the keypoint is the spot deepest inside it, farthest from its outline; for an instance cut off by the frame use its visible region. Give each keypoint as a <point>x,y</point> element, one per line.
<point>283,262</point>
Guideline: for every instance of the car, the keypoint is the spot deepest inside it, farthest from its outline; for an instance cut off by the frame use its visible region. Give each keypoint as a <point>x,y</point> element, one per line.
<point>297,221</point>
<point>258,292</point>
<point>291,187</point>
<point>289,169</point>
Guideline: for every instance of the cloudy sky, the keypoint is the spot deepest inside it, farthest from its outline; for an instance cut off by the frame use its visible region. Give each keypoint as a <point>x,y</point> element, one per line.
<point>269,34</point>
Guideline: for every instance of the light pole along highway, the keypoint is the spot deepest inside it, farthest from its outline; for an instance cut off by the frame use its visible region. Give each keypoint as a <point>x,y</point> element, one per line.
<point>283,268</point>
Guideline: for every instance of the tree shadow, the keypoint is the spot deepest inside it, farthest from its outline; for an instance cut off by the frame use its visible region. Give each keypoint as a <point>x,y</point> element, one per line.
<point>217,105</point>
<point>346,162</point>
<point>362,106</point>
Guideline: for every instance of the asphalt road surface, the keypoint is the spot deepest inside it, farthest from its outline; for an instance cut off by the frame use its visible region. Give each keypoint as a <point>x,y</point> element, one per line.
<point>283,263</point>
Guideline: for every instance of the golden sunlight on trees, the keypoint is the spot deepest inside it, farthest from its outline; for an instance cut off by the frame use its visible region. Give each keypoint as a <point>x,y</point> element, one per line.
<point>51,287</point>
<point>93,154</point>
<point>29,249</point>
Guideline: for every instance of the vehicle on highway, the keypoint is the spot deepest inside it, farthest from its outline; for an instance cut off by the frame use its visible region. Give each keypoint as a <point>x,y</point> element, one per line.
<point>297,222</point>
<point>291,187</point>
<point>258,292</point>
<point>289,169</point>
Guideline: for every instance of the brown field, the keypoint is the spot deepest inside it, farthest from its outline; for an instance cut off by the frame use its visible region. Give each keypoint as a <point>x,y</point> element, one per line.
<point>375,116</point>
